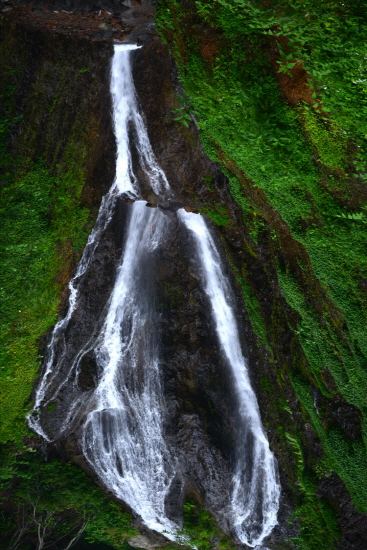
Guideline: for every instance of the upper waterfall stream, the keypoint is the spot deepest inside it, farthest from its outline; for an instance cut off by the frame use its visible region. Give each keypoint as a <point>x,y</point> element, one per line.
<point>122,417</point>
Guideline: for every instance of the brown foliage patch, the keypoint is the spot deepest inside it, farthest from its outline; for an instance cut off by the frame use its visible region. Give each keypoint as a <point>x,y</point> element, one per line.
<point>208,48</point>
<point>294,86</point>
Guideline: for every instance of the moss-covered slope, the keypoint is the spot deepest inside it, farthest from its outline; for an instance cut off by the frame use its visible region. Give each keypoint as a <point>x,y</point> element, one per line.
<point>54,170</point>
<point>278,92</point>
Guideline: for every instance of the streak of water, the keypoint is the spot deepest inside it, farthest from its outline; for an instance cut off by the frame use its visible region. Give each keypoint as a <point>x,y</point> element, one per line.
<point>126,115</point>
<point>255,491</point>
<point>123,436</point>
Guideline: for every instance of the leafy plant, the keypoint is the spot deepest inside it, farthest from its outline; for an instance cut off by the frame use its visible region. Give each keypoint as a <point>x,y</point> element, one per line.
<point>184,114</point>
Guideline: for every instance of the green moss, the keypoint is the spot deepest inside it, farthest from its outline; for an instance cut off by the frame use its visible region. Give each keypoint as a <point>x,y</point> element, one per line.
<point>35,252</point>
<point>315,516</point>
<point>200,530</point>
<point>43,225</point>
<point>330,143</point>
<point>218,216</point>
<point>325,349</point>
<point>253,310</point>
<point>208,179</point>
<point>61,498</point>
<point>348,458</point>
<point>237,193</point>
<point>265,384</point>
<point>318,524</point>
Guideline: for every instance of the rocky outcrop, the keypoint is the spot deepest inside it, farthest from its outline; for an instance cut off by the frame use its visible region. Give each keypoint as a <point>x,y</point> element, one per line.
<point>104,20</point>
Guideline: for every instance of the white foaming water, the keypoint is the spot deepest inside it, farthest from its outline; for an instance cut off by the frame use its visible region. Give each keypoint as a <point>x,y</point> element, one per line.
<point>256,490</point>
<point>122,437</point>
<point>126,115</point>
<point>41,397</point>
<point>128,119</point>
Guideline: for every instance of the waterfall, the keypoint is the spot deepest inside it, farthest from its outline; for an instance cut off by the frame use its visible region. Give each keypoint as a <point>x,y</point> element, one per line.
<point>123,439</point>
<point>122,435</point>
<point>126,114</point>
<point>121,432</point>
<point>256,490</point>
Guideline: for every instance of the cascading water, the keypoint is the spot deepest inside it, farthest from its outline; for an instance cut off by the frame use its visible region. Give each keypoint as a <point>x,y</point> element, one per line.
<point>123,438</point>
<point>122,435</point>
<point>125,113</point>
<point>255,493</point>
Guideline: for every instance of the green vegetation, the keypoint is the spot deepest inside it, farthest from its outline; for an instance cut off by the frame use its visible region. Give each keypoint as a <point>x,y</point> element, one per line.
<point>317,520</point>
<point>51,501</point>
<point>253,309</point>
<point>346,457</point>
<point>279,93</point>
<point>278,90</point>
<point>330,143</point>
<point>43,224</point>
<point>34,250</point>
<point>217,215</point>
<point>200,530</point>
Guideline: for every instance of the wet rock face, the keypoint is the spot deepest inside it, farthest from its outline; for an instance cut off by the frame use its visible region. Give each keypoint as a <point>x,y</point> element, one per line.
<point>62,95</point>
<point>96,20</point>
<point>200,419</point>
<point>198,395</point>
<point>142,541</point>
<point>177,148</point>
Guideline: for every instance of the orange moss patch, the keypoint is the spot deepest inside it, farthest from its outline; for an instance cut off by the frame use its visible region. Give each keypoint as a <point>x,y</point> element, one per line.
<point>208,48</point>
<point>294,86</point>
<point>65,252</point>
